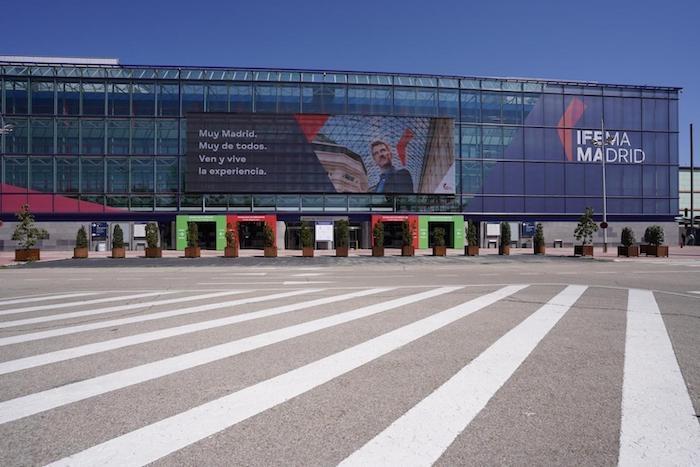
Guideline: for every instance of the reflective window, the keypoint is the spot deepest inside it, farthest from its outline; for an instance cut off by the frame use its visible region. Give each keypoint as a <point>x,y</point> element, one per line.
<point>17,141</point>
<point>167,136</point>
<point>42,98</point>
<point>16,97</point>
<point>92,171</point>
<point>492,143</point>
<point>17,171</point>
<point>288,98</point>
<point>512,108</point>
<point>68,99</point>
<point>381,101</point>
<point>93,136</point>
<point>426,101</point>
<point>471,106</point>
<point>323,98</point>
<point>471,142</point>
<point>471,179</point>
<point>359,100</point>
<point>217,98</point>
<point>144,99</point>
<point>166,174</point>
<point>241,98</point>
<point>265,98</point>
<point>117,175</point>
<point>404,101</point>
<point>512,143</point>
<point>118,99</point>
<point>93,99</point>
<point>192,98</point>
<point>143,136</point>
<point>67,175</point>
<point>491,107</point>
<point>68,135</point>
<point>553,105</point>
<point>118,136</point>
<point>533,113</point>
<point>42,136</point>
<point>41,174</point>
<point>168,100</point>
<point>448,103</point>
<point>141,175</point>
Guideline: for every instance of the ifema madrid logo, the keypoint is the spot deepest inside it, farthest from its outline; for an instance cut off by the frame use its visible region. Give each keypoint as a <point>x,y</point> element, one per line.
<point>579,144</point>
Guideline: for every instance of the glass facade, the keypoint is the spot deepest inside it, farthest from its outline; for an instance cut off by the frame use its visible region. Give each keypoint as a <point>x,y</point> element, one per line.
<point>115,136</point>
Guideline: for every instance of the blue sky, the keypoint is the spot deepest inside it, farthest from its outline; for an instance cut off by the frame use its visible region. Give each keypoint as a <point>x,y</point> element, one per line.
<point>635,42</point>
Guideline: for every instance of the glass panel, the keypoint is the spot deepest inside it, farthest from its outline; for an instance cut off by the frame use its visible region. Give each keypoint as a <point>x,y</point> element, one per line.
<point>622,113</point>
<point>532,112</point>
<point>68,136</point>
<point>492,142</point>
<point>142,136</point>
<point>16,97</point>
<point>263,202</point>
<point>141,203</point>
<point>41,174</point>
<point>241,202</point>
<point>168,100</point>
<point>404,101</point>
<point>192,98</point>
<point>265,98</point>
<point>448,103</point>
<point>18,140</point>
<point>490,107</point>
<point>472,179</point>
<point>118,136</point>
<point>312,202</point>
<point>241,98</point>
<point>42,98</point>
<point>471,106</point>
<point>166,202</point>
<point>17,171</point>
<point>118,99</point>
<point>141,175</point>
<point>471,142</point>
<point>381,101</point>
<point>288,98</point>
<point>512,108</point>
<point>92,174</point>
<point>93,99</point>
<point>144,99</point>
<point>323,98</point>
<point>42,136</point>
<point>93,136</point>
<point>117,175</point>
<point>336,202</point>
<point>655,114</point>
<point>359,202</point>
<point>67,174</point>
<point>167,136</point>
<point>166,174</point>
<point>359,100</point>
<point>68,99</point>
<point>287,202</point>
<point>217,98</point>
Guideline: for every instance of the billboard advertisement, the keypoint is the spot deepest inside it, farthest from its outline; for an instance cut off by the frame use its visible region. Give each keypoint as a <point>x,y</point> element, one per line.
<point>319,153</point>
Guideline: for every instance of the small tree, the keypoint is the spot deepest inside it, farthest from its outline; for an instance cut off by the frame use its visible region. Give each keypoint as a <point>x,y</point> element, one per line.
<point>342,233</point>
<point>307,240</point>
<point>538,239</point>
<point>655,235</point>
<point>117,237</point>
<point>378,234</point>
<point>505,234</point>
<point>439,236</point>
<point>230,236</point>
<point>472,239</point>
<point>81,240</point>
<point>192,234</point>
<point>269,236</point>
<point>406,233</point>
<point>586,227</point>
<point>627,238</point>
<point>152,235</point>
<point>647,235</point>
<point>26,232</point>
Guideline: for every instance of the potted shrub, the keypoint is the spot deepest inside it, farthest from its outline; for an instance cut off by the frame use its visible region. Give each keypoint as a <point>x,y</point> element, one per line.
<point>231,249</point>
<point>628,247</point>
<point>192,250</point>
<point>152,248</point>
<point>81,244</point>
<point>472,248</point>
<point>643,248</point>
<point>439,248</point>
<point>584,233</point>
<point>27,234</point>
<point>307,240</point>
<point>269,238</point>
<point>118,250</point>
<point>656,240</point>
<point>538,240</point>
<point>504,244</point>
<point>342,238</point>
<point>378,236</point>
<point>407,248</point>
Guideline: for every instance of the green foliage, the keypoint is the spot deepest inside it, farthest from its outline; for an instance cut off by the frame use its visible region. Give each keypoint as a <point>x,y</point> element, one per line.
<point>342,233</point>
<point>269,236</point>
<point>192,234</point>
<point>655,235</point>
<point>538,239</point>
<point>307,239</point>
<point>586,227</point>
<point>647,235</point>
<point>406,233</point>
<point>152,235</point>
<point>231,237</point>
<point>117,237</point>
<point>81,240</point>
<point>26,232</point>
<point>505,234</point>
<point>472,239</point>
<point>378,234</point>
<point>627,237</point>
<point>439,236</point>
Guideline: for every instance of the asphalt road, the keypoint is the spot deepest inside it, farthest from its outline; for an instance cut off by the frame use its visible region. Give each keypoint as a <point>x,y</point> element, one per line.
<point>359,361</point>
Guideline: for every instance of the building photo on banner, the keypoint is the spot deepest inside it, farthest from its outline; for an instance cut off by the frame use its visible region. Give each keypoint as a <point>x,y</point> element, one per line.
<point>103,142</point>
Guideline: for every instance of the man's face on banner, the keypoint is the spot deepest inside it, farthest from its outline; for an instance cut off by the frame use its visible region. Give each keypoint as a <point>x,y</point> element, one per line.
<point>382,155</point>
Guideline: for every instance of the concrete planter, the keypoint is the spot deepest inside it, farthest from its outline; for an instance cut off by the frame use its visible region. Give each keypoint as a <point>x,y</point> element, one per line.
<point>341,251</point>
<point>192,252</point>
<point>81,252</point>
<point>230,252</point>
<point>583,250</point>
<point>119,252</point>
<point>408,251</point>
<point>657,250</point>
<point>27,254</point>
<point>154,252</point>
<point>471,250</point>
<point>504,250</point>
<point>539,249</point>
<point>377,251</point>
<point>628,251</point>
<point>439,251</point>
<point>270,252</point>
<point>307,252</point>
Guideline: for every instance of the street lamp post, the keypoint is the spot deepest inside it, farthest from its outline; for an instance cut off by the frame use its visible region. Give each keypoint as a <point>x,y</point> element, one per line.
<point>601,144</point>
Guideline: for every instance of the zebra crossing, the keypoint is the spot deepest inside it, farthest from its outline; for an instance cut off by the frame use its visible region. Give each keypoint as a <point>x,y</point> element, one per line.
<point>61,357</point>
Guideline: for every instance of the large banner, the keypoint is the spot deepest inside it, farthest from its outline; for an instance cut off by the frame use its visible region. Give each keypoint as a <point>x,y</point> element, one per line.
<point>311,153</point>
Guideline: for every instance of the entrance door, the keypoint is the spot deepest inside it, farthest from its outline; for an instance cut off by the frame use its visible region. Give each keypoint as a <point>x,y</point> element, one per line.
<point>207,235</point>
<point>292,237</point>
<point>251,235</point>
<point>449,233</point>
<point>393,234</point>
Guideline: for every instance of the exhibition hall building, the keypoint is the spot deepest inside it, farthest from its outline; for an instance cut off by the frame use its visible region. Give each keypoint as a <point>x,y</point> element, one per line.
<point>95,143</point>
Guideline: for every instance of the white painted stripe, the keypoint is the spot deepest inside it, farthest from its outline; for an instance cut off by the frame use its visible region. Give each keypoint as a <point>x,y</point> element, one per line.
<point>112,309</point>
<point>159,439</point>
<point>659,426</point>
<point>308,274</point>
<point>141,318</point>
<point>45,298</point>
<point>694,291</point>
<point>305,282</point>
<point>38,402</point>
<point>421,435</point>
<point>56,306</point>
